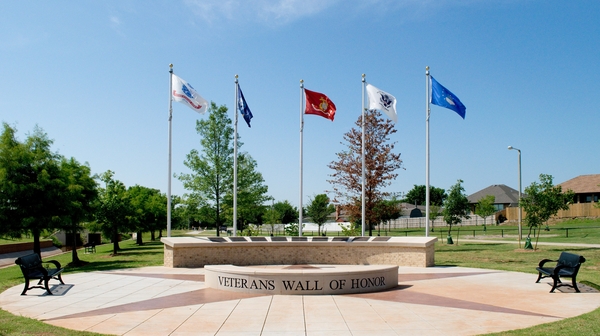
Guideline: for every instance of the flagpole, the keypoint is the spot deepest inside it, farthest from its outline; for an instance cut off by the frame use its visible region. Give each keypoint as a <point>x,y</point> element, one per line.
<point>301,140</point>
<point>363,205</point>
<point>169,169</point>
<point>235,157</point>
<point>427,114</point>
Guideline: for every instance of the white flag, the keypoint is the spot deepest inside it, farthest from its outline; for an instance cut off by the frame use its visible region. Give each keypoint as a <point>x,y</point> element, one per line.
<point>183,92</point>
<point>383,101</point>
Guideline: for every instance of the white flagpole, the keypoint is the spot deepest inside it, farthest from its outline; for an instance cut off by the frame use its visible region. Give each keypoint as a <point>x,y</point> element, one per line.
<point>363,158</point>
<point>427,114</point>
<point>301,140</point>
<point>235,157</point>
<point>169,169</point>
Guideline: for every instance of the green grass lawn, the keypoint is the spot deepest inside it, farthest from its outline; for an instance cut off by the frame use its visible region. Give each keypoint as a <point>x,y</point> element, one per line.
<point>467,254</point>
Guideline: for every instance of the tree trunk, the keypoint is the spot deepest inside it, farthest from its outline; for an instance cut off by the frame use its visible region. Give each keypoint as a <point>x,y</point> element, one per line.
<point>115,239</point>
<point>74,256</point>
<point>152,235</point>
<point>138,239</point>
<point>36,242</point>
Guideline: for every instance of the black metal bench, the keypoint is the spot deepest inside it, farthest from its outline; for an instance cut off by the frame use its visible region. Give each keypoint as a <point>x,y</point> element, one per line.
<point>90,247</point>
<point>567,266</point>
<point>33,269</point>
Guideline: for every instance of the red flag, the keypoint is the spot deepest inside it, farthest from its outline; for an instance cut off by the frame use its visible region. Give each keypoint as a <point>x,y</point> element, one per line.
<point>319,104</point>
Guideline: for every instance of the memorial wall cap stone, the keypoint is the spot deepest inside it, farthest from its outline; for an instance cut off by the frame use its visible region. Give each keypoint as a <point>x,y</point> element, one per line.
<point>302,279</point>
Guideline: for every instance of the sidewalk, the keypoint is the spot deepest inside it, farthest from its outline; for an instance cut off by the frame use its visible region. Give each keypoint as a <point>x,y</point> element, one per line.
<point>523,242</point>
<point>8,259</point>
<point>175,301</point>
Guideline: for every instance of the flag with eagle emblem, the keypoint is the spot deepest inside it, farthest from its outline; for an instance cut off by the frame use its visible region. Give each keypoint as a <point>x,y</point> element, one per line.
<point>319,104</point>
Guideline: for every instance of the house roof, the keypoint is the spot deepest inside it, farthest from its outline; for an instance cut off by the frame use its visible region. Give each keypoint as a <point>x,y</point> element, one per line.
<point>583,184</point>
<point>503,194</point>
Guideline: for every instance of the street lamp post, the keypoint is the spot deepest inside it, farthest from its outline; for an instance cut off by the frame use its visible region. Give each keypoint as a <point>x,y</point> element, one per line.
<point>520,232</point>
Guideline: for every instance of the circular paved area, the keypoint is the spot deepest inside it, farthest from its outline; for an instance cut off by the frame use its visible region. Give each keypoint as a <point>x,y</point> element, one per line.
<point>174,301</point>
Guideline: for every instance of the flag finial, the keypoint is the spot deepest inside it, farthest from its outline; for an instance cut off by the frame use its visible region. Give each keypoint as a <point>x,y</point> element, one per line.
<point>363,77</point>
<point>236,76</point>
<point>171,65</point>
<point>427,70</point>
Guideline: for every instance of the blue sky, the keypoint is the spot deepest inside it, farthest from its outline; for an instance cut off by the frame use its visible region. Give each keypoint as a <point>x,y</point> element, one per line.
<point>94,76</point>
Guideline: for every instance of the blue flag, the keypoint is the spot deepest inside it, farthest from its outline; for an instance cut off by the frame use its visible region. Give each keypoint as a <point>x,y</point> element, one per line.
<point>243,107</point>
<point>443,97</point>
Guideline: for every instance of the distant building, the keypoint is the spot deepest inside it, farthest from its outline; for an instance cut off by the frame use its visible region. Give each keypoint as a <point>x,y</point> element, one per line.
<point>585,187</point>
<point>505,196</point>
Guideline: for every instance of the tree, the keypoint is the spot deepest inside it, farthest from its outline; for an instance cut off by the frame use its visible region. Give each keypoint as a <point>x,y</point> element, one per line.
<point>456,206</point>
<point>543,201</point>
<point>80,202</point>
<point>251,194</point>
<point>485,207</point>
<point>380,166</point>
<point>318,209</point>
<point>31,184</point>
<point>434,212</point>
<point>149,210</point>
<point>417,195</point>
<point>387,209</point>
<point>114,209</point>
<point>289,213</point>
<point>212,168</point>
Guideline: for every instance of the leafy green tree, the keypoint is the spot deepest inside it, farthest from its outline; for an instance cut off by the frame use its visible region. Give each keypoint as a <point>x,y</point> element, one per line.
<point>289,213</point>
<point>212,168</point>
<point>114,211</point>
<point>380,165</point>
<point>149,209</point>
<point>434,212</point>
<point>456,206</point>
<point>31,184</point>
<point>543,201</point>
<point>318,209</point>
<point>272,217</point>
<point>251,195</point>
<point>417,195</point>
<point>81,197</point>
<point>386,210</point>
<point>485,207</point>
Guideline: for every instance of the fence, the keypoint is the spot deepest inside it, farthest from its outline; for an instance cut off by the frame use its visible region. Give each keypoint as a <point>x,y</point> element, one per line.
<point>419,222</point>
<point>575,210</point>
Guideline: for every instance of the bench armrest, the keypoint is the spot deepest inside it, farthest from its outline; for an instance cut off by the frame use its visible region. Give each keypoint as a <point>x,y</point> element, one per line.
<point>545,261</point>
<point>56,263</point>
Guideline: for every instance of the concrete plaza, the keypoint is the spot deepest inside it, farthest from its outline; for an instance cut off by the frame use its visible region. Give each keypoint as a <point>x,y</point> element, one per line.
<point>174,301</point>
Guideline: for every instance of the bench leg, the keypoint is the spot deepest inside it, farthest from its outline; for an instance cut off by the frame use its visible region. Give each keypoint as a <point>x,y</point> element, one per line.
<point>26,287</point>
<point>556,282</point>
<point>539,277</point>
<point>59,278</point>
<point>46,286</point>
<point>575,285</point>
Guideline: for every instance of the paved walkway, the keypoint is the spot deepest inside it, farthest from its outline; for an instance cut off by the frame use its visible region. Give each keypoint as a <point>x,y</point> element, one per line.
<point>8,259</point>
<point>475,240</point>
<point>174,301</point>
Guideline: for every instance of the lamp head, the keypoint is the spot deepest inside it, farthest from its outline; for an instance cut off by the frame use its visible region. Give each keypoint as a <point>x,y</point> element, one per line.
<point>510,147</point>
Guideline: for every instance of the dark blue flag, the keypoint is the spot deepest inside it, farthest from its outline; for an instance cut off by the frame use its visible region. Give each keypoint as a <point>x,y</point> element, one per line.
<point>443,97</point>
<point>243,107</point>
